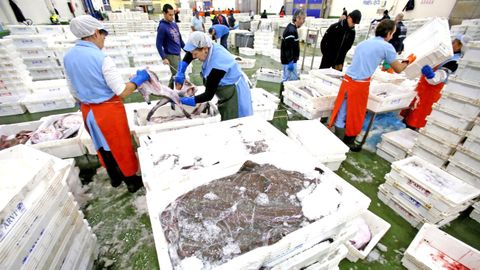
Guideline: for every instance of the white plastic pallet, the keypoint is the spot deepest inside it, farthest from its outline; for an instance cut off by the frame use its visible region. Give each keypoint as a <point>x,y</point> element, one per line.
<point>430,243</point>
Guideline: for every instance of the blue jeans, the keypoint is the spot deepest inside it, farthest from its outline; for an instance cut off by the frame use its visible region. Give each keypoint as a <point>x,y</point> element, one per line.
<point>289,75</point>
<point>342,114</point>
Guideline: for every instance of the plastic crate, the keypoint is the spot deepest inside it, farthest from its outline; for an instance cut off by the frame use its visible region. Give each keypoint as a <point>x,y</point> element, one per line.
<point>50,29</point>
<point>22,29</point>
<point>313,96</point>
<point>387,97</point>
<point>449,118</point>
<point>378,227</point>
<point>30,41</point>
<point>460,107</point>
<point>476,128</point>
<point>245,62</point>
<point>55,86</point>
<point>332,261</point>
<point>465,90</point>
<point>42,73</point>
<point>432,185</point>
<point>246,51</point>
<point>43,62</point>
<point>463,172</point>
<point>268,254</point>
<point>469,71</point>
<point>429,154</point>
<point>399,209</point>
<point>269,75</point>
<point>399,141</point>
<point>264,104</point>
<point>472,143</point>
<point>42,102</point>
<point>10,105</point>
<point>440,130</point>
<point>472,51</point>
<point>431,44</point>
<point>467,158</point>
<point>35,52</point>
<point>431,243</point>
<point>387,154</point>
<point>305,112</point>
<point>430,141</point>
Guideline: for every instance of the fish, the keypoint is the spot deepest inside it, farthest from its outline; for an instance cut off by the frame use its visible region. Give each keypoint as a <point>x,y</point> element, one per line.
<point>154,87</point>
<point>19,138</point>
<point>64,127</point>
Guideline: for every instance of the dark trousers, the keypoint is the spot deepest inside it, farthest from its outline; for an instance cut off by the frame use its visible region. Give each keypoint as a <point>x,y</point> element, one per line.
<point>223,41</point>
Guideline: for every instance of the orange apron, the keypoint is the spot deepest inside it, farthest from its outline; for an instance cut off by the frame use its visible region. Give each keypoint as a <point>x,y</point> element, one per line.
<point>421,106</point>
<point>112,121</point>
<point>357,98</point>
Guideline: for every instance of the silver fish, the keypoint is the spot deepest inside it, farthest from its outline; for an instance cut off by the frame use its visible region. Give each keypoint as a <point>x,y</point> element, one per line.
<point>153,87</point>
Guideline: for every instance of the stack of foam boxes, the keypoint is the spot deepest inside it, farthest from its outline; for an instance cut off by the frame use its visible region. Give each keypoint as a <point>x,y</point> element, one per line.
<point>423,193</point>
<point>397,144</point>
<point>475,214</point>
<point>41,223</point>
<point>313,96</point>
<point>14,79</point>
<point>144,50</point>
<point>473,28</point>
<point>264,37</point>
<point>37,54</point>
<point>451,136</point>
<point>118,52</point>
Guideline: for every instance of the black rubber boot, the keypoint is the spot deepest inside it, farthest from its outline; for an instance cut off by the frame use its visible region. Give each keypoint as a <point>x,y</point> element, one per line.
<point>134,183</point>
<point>113,170</point>
<point>350,142</point>
<point>282,87</point>
<point>340,132</point>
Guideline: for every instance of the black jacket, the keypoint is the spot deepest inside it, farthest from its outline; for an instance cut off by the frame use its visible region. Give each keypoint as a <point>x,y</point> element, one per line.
<point>224,20</point>
<point>290,47</point>
<point>398,37</point>
<point>335,44</point>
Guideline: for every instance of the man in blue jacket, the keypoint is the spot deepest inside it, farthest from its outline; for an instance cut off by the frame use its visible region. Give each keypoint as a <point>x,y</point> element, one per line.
<point>220,31</point>
<point>169,41</point>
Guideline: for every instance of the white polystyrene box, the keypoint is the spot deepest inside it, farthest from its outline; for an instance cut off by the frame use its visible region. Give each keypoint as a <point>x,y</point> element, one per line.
<point>303,109</point>
<point>269,75</point>
<point>430,243</point>
<point>48,101</point>
<point>431,44</point>
<point>11,105</point>
<point>387,96</point>
<point>378,228</point>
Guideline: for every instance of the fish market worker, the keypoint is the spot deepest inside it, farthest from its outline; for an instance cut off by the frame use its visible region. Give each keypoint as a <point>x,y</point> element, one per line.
<point>351,103</point>
<point>93,78</point>
<point>220,31</point>
<point>430,86</point>
<point>221,74</point>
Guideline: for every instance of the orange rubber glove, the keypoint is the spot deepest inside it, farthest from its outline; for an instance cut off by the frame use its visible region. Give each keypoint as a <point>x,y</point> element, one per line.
<point>411,58</point>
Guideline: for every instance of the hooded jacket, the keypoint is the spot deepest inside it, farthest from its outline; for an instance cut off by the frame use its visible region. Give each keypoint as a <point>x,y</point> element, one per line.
<point>169,39</point>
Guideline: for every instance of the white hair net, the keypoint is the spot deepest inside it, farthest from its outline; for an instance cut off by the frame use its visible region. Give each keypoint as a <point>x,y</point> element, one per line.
<point>196,40</point>
<point>85,25</point>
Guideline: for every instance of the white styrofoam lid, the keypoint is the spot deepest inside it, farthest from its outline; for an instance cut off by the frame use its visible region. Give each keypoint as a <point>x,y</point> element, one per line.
<point>404,137</point>
<point>316,137</point>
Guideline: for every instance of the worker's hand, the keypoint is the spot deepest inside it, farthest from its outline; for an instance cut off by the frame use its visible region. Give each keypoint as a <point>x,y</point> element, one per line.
<point>178,86</point>
<point>190,101</point>
<point>291,66</point>
<point>166,62</point>
<point>180,76</point>
<point>428,72</point>
<point>141,77</point>
<point>411,58</point>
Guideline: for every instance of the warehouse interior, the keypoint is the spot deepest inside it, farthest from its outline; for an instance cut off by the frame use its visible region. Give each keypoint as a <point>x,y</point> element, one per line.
<point>285,186</point>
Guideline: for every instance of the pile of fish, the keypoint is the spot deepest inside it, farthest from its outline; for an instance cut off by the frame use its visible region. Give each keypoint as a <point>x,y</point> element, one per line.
<point>19,138</point>
<point>230,216</point>
<point>63,127</point>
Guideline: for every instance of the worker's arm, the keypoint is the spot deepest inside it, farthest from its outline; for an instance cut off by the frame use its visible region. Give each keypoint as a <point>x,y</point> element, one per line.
<point>159,43</point>
<point>213,80</point>
<point>114,79</point>
<point>399,66</point>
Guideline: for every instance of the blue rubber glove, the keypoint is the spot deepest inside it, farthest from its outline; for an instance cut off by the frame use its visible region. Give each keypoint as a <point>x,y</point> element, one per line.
<point>291,66</point>
<point>141,77</point>
<point>428,72</point>
<point>180,76</point>
<point>190,101</point>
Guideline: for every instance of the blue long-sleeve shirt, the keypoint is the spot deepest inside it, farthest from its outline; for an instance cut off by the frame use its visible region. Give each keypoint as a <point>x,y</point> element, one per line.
<point>169,39</point>
<point>220,30</point>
